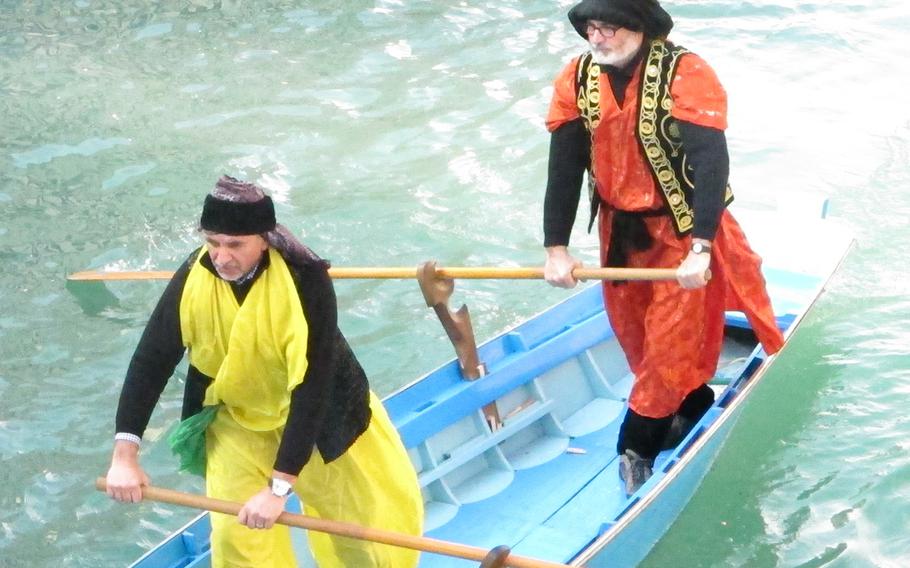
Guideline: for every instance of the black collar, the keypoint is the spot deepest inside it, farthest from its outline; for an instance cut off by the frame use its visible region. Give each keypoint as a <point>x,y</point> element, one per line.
<point>620,77</point>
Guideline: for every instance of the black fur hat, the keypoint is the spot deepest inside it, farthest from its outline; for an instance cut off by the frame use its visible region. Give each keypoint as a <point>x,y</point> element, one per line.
<point>637,15</point>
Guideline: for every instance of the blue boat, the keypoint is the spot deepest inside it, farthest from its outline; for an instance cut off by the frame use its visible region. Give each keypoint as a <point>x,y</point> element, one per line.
<point>541,476</point>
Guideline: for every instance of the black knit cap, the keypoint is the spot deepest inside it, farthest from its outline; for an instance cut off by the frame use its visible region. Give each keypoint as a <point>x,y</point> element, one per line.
<point>637,15</point>
<point>237,208</point>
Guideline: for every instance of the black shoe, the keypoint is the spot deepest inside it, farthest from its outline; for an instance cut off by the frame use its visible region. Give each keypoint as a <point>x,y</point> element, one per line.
<point>679,429</point>
<point>634,470</point>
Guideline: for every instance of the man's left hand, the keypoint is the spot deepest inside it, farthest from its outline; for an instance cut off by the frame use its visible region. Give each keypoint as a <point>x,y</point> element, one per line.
<point>262,509</point>
<point>693,272</point>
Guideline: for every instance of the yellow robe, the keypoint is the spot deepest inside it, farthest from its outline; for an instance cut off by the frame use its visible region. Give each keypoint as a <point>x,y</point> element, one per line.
<point>256,353</point>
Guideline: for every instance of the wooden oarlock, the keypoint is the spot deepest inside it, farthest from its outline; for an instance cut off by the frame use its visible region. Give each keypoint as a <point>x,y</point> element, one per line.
<point>497,557</point>
<point>436,291</point>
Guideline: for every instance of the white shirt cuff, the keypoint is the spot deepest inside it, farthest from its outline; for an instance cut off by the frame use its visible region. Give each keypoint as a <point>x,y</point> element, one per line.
<point>127,437</point>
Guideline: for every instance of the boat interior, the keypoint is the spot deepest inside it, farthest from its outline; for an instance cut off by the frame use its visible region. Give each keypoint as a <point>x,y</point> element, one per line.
<point>543,478</point>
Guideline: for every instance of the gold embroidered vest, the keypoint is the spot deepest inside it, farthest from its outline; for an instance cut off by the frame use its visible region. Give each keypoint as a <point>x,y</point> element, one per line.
<point>658,132</point>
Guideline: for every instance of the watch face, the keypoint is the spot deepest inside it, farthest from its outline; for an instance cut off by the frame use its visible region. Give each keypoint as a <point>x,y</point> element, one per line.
<point>280,487</point>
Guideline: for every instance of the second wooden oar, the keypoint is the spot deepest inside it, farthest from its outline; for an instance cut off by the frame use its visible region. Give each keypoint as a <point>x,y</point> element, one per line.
<point>405,272</point>
<point>349,530</point>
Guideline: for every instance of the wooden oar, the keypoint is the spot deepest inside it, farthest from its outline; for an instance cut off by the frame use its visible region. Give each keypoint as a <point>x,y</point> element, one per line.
<point>349,530</point>
<point>406,272</point>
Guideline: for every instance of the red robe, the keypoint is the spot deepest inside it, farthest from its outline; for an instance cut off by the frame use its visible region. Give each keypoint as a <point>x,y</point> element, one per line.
<point>671,337</point>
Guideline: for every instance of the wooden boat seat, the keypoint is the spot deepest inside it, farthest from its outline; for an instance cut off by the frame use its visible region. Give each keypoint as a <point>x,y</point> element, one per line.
<point>513,360</point>
<point>533,495</point>
<point>467,462</point>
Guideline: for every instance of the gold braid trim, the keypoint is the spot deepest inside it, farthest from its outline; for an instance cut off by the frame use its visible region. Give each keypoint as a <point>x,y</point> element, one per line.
<point>588,92</point>
<point>587,99</point>
<point>654,120</point>
<point>658,133</point>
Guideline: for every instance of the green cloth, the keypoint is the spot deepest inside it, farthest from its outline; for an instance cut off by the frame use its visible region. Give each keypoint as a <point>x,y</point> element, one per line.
<point>188,440</point>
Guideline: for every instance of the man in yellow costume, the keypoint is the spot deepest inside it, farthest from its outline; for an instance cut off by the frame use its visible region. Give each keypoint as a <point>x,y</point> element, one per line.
<point>275,400</point>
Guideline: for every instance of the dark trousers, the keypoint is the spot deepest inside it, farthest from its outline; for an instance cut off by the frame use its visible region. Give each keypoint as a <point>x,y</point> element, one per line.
<point>645,436</point>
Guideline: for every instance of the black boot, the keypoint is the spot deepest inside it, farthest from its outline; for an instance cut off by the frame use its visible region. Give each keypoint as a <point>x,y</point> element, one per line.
<point>634,470</point>
<point>693,407</point>
<point>639,442</point>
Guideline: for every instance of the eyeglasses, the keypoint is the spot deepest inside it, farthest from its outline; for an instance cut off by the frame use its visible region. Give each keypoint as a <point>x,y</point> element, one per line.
<point>605,30</point>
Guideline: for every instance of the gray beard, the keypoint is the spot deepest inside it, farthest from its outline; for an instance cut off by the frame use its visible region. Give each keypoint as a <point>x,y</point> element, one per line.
<point>613,58</point>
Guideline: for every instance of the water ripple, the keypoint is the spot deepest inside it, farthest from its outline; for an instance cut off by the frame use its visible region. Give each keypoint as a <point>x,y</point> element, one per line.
<point>154,30</point>
<point>391,132</point>
<point>47,152</point>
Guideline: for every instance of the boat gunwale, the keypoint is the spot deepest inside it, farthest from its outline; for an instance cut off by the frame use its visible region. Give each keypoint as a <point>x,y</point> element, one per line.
<point>177,534</point>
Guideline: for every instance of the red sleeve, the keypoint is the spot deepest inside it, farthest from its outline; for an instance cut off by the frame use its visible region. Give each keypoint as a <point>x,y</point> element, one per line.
<point>563,107</point>
<point>698,96</point>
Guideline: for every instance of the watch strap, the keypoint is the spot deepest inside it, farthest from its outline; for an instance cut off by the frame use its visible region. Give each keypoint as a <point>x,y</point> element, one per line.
<point>700,248</point>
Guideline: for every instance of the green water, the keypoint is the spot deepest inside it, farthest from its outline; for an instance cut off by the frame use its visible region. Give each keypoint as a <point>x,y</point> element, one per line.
<point>391,132</point>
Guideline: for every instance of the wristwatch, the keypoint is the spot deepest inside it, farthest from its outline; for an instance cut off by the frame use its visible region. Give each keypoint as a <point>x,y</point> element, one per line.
<point>700,248</point>
<point>280,487</point>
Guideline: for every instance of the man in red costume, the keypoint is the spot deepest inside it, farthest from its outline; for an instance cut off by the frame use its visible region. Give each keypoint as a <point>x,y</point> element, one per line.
<point>646,119</point>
